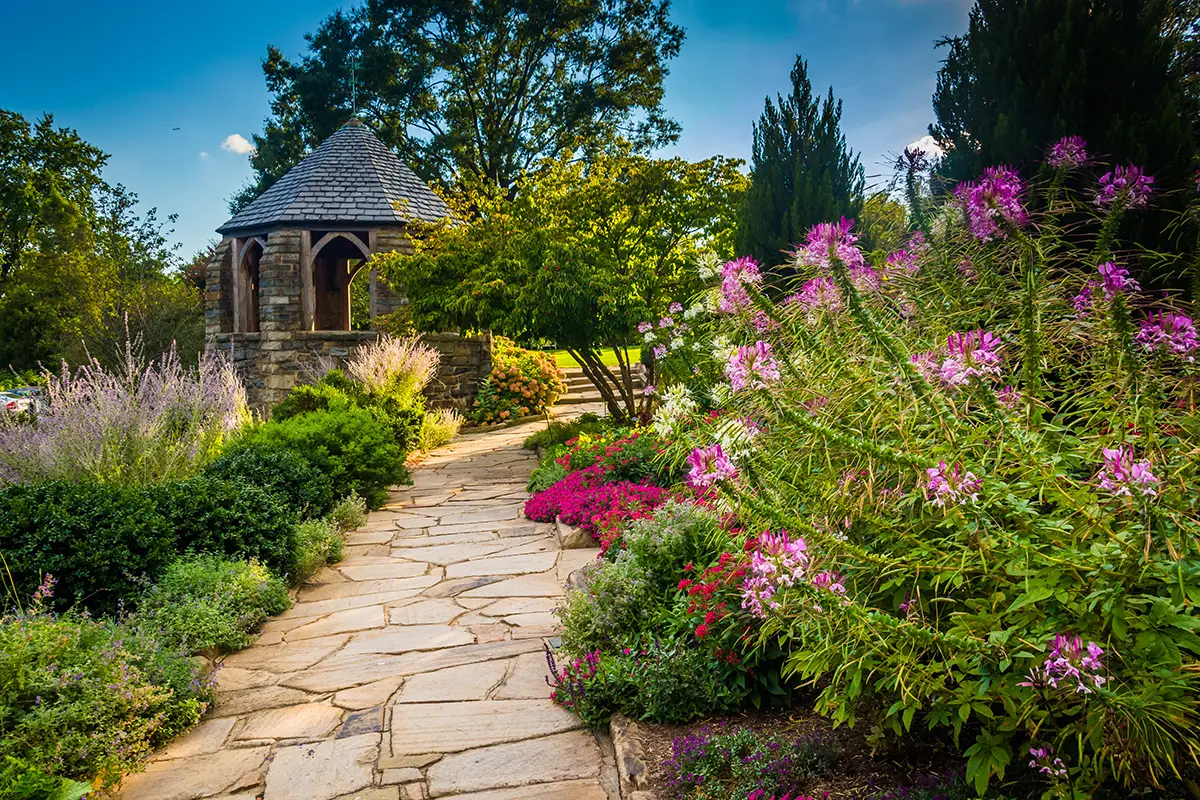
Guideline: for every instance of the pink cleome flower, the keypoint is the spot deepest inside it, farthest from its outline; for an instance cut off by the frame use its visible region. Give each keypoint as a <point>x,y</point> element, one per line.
<point>1045,762</point>
<point>777,562</point>
<point>951,486</point>
<point>1120,472</point>
<point>1128,185</point>
<point>993,201</point>
<point>752,367</point>
<point>645,327</point>
<point>827,241</point>
<point>710,465</point>
<point>818,294</point>
<point>1069,662</point>
<point>735,277</point>
<point>1169,331</point>
<point>675,308</point>
<point>970,355</point>
<point>1069,152</point>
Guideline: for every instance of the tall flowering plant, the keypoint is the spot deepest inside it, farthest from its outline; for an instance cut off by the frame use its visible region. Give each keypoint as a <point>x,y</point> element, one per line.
<point>982,453</point>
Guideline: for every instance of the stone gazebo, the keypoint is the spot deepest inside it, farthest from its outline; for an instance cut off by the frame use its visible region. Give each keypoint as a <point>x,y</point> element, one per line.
<point>277,290</point>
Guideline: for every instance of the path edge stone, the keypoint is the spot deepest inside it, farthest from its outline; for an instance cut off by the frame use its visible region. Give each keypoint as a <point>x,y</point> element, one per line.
<point>632,770</point>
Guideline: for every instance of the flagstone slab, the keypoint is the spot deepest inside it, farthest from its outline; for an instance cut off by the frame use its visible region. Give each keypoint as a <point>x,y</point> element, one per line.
<point>354,619</point>
<point>323,770</point>
<point>234,704</point>
<point>451,553</point>
<point>355,588</point>
<point>527,679</point>
<point>319,608</point>
<point>515,605</point>
<point>567,790</point>
<point>207,737</point>
<point>504,565</point>
<point>405,638</point>
<point>468,682</point>
<point>286,657</point>
<point>194,778</point>
<point>566,756</point>
<point>483,515</point>
<point>382,571</point>
<point>543,619</point>
<point>426,612</point>
<point>381,536</point>
<point>539,585</point>
<point>232,679</point>
<point>455,587</point>
<point>345,672</point>
<point>369,695</point>
<point>413,546</point>
<point>407,522</point>
<point>307,721</point>
<point>453,727</point>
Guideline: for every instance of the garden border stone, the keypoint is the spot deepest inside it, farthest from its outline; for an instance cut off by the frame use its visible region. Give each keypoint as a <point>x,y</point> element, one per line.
<point>572,538</point>
<point>632,769</point>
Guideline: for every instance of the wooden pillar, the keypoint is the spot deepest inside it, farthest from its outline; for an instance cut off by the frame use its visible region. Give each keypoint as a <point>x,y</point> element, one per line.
<point>308,302</point>
<point>239,311</point>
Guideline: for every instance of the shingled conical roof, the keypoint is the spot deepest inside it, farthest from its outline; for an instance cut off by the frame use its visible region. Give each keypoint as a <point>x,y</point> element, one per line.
<point>351,180</point>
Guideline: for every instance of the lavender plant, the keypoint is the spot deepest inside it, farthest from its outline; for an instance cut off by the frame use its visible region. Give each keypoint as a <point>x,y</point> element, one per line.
<point>148,422</point>
<point>982,453</point>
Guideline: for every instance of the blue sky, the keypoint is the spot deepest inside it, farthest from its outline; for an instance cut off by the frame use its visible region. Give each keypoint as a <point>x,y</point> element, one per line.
<point>125,72</point>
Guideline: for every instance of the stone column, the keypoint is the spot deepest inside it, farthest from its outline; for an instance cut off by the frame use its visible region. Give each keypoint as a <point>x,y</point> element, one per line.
<point>218,291</point>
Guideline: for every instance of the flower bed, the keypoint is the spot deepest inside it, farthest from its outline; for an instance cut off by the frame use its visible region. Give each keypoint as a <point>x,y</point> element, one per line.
<point>522,383</point>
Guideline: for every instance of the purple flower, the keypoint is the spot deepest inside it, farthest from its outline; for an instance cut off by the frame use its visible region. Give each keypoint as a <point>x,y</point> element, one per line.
<point>1045,762</point>
<point>1127,185</point>
<point>1069,662</point>
<point>829,581</point>
<point>1174,332</point>
<point>675,308</point>
<point>1115,280</point>
<point>951,486</point>
<point>1069,152</point>
<point>735,277</point>
<point>820,293</point>
<point>710,465</point>
<point>1009,397</point>
<point>752,367</point>
<point>827,241</point>
<point>645,327</point>
<point>666,322</point>
<point>660,351</point>
<point>927,364</point>
<point>902,261</point>
<point>1120,472</point>
<point>777,562</point>
<point>993,199</point>
<point>865,279</point>
<point>970,355</point>
<point>649,390</point>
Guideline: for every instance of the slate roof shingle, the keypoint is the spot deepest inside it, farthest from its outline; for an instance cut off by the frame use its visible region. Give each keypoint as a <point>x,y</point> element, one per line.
<point>351,178</point>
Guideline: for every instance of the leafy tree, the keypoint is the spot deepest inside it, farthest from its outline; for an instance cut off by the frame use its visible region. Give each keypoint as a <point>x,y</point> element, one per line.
<point>1028,72</point>
<point>801,171</point>
<point>883,222</point>
<point>583,253</point>
<point>473,90</point>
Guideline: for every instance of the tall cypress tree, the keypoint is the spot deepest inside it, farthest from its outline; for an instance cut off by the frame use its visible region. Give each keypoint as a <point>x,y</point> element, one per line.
<point>801,171</point>
<point>1028,72</point>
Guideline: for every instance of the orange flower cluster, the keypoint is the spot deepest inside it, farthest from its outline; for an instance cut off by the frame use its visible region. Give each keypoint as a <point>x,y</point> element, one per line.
<point>522,382</point>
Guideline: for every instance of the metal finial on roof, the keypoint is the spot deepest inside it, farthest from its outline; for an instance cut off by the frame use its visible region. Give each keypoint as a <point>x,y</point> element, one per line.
<point>354,85</point>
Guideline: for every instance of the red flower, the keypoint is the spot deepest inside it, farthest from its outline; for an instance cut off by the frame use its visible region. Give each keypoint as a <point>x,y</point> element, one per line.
<point>701,631</point>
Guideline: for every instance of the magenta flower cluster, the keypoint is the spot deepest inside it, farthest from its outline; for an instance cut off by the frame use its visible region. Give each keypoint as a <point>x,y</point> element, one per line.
<point>710,465</point>
<point>993,203</point>
<point>1128,185</point>
<point>735,277</point>
<point>951,486</point>
<point>1069,663</point>
<point>1120,473</point>
<point>1069,152</point>
<point>1168,331</point>
<point>1114,280</point>
<point>1045,762</point>
<point>582,497</point>
<point>752,367</point>
<point>818,294</point>
<point>827,241</point>
<point>969,355</point>
<point>777,562</point>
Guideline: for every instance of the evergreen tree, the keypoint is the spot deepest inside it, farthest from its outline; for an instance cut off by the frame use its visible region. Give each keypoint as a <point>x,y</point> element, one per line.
<point>1028,72</point>
<point>801,171</point>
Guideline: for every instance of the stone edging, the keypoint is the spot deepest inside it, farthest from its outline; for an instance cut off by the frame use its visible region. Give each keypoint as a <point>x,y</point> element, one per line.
<point>572,538</point>
<point>632,769</point>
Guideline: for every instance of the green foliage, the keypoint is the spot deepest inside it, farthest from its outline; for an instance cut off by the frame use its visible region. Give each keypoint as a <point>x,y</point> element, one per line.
<point>439,427</point>
<point>210,603</point>
<point>545,476</point>
<point>559,432</point>
<point>884,224</point>
<point>20,781</point>
<point>321,396</point>
<point>801,171</point>
<point>209,515</point>
<point>349,513</point>
<point>99,540</point>
<point>83,697</point>
<point>318,543</point>
<point>350,446</point>
<point>522,382</point>
<point>719,763</point>
<point>300,486</point>
<point>581,73</point>
<point>584,252</point>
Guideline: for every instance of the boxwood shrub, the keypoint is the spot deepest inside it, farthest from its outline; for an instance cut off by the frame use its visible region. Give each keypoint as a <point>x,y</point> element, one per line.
<point>300,485</point>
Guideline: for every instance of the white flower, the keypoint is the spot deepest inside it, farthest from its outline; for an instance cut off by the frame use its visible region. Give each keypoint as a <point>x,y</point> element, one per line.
<point>676,405</point>
<point>722,348</point>
<point>649,337</point>
<point>736,438</point>
<point>709,266</point>
<point>676,343</point>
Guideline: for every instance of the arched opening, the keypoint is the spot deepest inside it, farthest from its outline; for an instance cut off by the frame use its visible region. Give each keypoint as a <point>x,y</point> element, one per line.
<point>336,259</point>
<point>248,280</point>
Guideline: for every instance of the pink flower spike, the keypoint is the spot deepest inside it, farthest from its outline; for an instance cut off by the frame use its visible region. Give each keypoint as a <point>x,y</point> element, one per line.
<point>1121,473</point>
<point>951,486</point>
<point>710,465</point>
<point>752,367</point>
<point>827,241</point>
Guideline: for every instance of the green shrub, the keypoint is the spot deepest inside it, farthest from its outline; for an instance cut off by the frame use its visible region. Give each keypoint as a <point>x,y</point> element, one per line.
<point>559,432</point>
<point>404,423</point>
<point>545,476</point>
<point>522,382</point>
<point>320,396</point>
<point>717,763</point>
<point>319,543</point>
<point>302,487</point>
<point>20,781</point>
<point>83,698</point>
<point>618,604</point>
<point>102,542</point>
<point>349,513</point>
<point>350,446</point>
<point>208,602</point>
<point>207,515</point>
<point>439,427</point>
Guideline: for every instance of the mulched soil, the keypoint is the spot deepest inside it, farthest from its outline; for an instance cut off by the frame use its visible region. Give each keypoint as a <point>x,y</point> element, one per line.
<point>861,775</point>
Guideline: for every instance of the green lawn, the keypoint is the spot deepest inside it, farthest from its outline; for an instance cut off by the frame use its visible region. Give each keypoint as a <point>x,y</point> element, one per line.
<point>607,356</point>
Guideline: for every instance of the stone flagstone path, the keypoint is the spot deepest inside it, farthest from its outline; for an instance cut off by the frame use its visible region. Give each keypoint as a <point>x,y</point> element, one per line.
<point>414,668</point>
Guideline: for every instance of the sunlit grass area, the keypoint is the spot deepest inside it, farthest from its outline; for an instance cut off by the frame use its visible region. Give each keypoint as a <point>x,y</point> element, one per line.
<point>608,357</point>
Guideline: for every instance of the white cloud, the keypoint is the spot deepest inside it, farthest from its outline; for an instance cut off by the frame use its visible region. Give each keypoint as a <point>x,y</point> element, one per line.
<point>236,143</point>
<point>204,154</point>
<point>927,145</point>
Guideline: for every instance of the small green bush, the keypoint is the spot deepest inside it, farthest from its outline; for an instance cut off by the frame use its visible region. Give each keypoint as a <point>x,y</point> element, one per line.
<point>208,515</point>
<point>302,487</point>
<point>349,513</point>
<point>319,543</point>
<point>559,432</point>
<point>320,396</point>
<point>208,602</point>
<point>545,476</point>
<point>350,446</point>
<point>83,698</point>
<point>439,428</point>
<point>101,541</point>
<point>20,781</point>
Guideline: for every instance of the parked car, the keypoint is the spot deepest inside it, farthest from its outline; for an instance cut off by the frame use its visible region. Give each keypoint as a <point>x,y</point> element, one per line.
<point>25,398</point>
